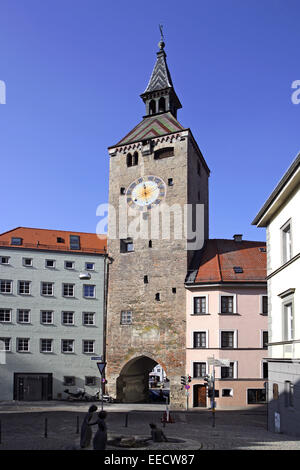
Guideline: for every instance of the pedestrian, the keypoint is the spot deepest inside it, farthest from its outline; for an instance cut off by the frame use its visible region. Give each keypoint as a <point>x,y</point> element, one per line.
<point>157,435</point>
<point>86,431</point>
<point>100,438</point>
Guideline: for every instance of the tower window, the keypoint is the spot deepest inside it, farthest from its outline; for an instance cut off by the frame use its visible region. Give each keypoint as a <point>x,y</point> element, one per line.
<point>170,182</point>
<point>164,153</point>
<point>174,290</point>
<point>157,296</point>
<point>146,280</point>
<point>150,243</point>
<point>135,159</point>
<point>122,191</point>
<point>152,107</point>
<point>129,159</point>
<point>126,317</point>
<point>126,246</point>
<point>162,105</point>
<point>198,168</point>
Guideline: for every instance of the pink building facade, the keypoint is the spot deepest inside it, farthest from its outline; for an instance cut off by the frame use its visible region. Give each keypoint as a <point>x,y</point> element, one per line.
<point>227,319</point>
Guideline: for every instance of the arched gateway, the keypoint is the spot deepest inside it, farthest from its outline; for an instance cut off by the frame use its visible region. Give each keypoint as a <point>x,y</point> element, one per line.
<point>133,381</point>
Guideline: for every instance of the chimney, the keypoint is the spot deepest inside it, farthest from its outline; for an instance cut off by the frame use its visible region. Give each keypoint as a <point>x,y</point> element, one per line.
<point>238,237</point>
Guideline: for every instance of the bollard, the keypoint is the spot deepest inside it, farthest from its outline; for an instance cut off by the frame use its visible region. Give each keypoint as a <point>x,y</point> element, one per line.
<point>46,428</point>
<point>77,425</point>
<point>126,420</point>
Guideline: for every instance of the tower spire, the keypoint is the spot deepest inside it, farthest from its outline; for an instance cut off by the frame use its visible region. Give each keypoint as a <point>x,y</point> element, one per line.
<point>159,96</point>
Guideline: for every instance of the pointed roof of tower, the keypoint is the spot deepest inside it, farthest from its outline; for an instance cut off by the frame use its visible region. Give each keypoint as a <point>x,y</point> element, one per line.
<point>160,77</point>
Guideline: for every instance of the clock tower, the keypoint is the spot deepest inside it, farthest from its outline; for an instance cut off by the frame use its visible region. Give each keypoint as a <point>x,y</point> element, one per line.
<point>158,195</point>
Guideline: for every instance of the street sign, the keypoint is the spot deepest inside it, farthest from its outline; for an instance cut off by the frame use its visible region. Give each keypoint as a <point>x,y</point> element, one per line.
<point>97,358</point>
<point>218,362</point>
<point>187,387</point>
<point>101,366</point>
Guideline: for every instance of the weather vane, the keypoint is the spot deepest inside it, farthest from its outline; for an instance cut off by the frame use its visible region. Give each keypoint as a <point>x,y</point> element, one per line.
<point>161,43</point>
<point>161,32</point>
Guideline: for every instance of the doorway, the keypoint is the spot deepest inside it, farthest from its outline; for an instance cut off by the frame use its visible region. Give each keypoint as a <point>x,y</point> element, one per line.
<point>32,387</point>
<point>199,396</point>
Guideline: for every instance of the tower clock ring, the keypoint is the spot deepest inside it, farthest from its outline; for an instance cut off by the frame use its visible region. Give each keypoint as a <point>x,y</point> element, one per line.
<point>146,192</point>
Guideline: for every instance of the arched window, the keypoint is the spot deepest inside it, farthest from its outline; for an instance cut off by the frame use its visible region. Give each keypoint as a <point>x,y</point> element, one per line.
<point>135,158</point>
<point>161,105</point>
<point>129,159</point>
<point>152,107</point>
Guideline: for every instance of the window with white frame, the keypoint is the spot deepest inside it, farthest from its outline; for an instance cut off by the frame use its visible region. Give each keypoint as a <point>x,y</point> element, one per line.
<point>50,263</point>
<point>265,370</point>
<point>67,345</point>
<point>264,335</point>
<point>286,242</point>
<point>227,304</point>
<point>23,316</point>
<point>199,339</point>
<point>5,344</point>
<point>227,392</point>
<point>264,304</point>
<point>69,264</point>
<point>4,259</point>
<point>90,266</point>
<point>88,290</point>
<point>228,372</point>
<point>199,305</point>
<point>88,318</point>
<point>27,262</point>
<point>22,344</point>
<point>47,317</point>
<point>68,290</point>
<point>47,288</point>
<point>24,287</point>
<point>5,286</point>
<point>88,346</point>
<point>68,318</point>
<point>5,315</point>
<point>228,339</point>
<point>288,321</point>
<point>199,369</point>
<point>46,345</point>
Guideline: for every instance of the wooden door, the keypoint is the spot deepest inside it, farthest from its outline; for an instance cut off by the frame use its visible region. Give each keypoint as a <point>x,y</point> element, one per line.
<point>200,396</point>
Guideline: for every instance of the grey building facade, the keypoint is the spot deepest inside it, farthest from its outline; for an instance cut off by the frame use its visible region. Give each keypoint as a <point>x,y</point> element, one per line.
<point>52,305</point>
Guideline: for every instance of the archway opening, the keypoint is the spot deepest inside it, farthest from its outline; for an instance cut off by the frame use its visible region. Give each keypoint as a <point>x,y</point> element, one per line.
<point>135,378</point>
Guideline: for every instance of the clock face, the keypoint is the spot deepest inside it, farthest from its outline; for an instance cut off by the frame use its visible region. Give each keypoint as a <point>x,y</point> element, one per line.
<point>146,192</point>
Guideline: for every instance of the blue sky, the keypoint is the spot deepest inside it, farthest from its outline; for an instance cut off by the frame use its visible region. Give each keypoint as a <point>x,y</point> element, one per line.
<point>74,71</point>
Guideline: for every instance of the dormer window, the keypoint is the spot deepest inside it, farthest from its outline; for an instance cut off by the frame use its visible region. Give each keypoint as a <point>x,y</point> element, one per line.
<point>238,269</point>
<point>16,241</point>
<point>74,242</point>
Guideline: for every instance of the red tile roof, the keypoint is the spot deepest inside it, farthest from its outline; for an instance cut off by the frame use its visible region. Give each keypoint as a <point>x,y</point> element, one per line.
<point>219,257</point>
<point>44,239</point>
